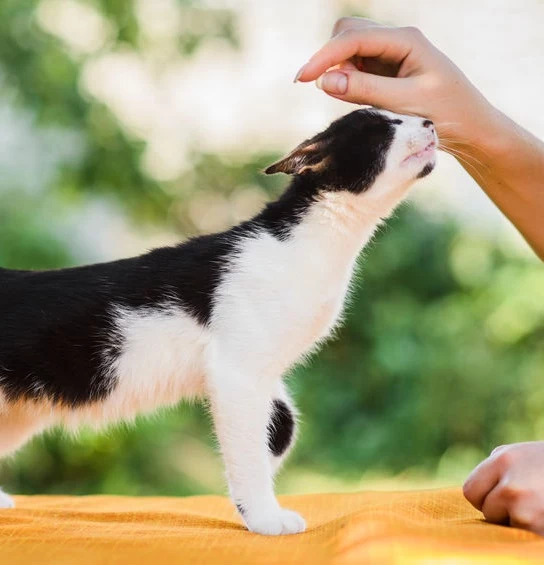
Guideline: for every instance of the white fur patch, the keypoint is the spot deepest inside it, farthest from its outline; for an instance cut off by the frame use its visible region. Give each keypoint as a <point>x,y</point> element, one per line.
<point>161,362</point>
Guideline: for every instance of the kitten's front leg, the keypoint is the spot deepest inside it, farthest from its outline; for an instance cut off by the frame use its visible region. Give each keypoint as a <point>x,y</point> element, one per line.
<point>242,408</point>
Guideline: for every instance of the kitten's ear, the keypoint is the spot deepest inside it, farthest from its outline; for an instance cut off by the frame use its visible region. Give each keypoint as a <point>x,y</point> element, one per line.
<point>310,155</point>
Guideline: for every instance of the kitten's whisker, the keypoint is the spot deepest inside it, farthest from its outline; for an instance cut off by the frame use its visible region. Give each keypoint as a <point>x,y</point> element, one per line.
<point>462,154</point>
<point>463,161</point>
<point>458,142</point>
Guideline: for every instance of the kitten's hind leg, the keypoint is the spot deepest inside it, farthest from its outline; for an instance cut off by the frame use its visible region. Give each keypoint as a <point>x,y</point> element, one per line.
<point>242,408</point>
<point>5,500</point>
<point>17,426</point>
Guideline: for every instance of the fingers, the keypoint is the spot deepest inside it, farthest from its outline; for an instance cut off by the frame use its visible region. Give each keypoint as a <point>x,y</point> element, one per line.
<point>353,23</point>
<point>508,486</point>
<point>528,514</point>
<point>495,506</point>
<point>390,45</point>
<point>351,85</point>
<point>482,481</point>
<point>347,66</point>
<point>514,503</point>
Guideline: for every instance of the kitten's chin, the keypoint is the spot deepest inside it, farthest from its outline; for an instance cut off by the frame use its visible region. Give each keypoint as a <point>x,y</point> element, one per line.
<point>423,154</point>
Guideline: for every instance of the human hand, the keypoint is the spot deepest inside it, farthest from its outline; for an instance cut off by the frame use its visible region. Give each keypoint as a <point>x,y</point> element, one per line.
<point>508,486</point>
<point>399,69</point>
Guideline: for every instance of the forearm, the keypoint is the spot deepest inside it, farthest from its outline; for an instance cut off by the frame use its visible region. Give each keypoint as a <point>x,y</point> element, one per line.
<point>508,163</point>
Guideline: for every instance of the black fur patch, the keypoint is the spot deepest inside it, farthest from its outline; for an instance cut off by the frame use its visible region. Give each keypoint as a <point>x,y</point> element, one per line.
<point>427,170</point>
<point>280,428</point>
<point>281,216</point>
<point>56,330</point>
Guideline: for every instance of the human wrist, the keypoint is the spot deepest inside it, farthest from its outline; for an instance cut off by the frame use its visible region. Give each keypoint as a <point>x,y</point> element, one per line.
<point>502,147</point>
<point>491,135</point>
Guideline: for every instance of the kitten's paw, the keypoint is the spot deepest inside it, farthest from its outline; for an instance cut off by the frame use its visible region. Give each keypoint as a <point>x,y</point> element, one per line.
<point>276,523</point>
<point>6,501</point>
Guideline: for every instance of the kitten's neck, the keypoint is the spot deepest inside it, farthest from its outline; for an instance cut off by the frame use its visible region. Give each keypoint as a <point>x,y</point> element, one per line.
<point>283,215</point>
<point>330,218</point>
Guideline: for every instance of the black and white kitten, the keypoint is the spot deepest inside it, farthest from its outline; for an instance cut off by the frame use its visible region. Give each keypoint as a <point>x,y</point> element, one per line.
<point>222,316</point>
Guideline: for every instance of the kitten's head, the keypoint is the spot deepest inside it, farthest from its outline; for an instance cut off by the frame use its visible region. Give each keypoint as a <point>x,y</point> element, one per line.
<point>357,149</point>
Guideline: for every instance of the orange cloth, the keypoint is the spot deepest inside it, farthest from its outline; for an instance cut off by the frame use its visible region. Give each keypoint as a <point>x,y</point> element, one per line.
<point>433,527</point>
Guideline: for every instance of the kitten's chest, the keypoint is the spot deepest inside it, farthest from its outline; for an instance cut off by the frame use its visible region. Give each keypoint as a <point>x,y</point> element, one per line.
<point>319,305</point>
<point>283,296</point>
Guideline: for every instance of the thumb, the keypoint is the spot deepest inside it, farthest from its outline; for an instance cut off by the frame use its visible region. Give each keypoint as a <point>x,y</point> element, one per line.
<point>358,87</point>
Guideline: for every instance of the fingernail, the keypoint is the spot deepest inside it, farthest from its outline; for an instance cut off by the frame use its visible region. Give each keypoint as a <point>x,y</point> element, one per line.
<point>299,74</point>
<point>333,82</point>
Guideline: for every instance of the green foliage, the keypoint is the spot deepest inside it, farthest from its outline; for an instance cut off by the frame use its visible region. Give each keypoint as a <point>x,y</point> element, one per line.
<point>440,358</point>
<point>429,358</point>
<point>41,74</point>
<point>27,240</point>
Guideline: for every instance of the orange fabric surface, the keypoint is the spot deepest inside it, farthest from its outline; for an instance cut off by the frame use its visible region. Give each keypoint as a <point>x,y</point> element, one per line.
<point>435,526</point>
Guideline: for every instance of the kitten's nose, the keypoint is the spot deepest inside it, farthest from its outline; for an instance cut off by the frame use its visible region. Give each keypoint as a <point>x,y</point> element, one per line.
<point>427,123</point>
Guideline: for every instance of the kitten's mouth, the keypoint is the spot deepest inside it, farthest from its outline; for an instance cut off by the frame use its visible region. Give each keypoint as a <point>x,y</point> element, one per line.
<point>427,151</point>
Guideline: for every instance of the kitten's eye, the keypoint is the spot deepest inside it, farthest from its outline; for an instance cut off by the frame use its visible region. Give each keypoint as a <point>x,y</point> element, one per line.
<point>397,121</point>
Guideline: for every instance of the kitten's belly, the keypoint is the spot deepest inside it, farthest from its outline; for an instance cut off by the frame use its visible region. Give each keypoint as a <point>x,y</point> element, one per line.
<point>160,364</point>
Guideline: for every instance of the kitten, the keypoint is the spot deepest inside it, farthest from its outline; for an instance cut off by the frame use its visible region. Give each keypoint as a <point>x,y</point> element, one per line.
<point>222,316</point>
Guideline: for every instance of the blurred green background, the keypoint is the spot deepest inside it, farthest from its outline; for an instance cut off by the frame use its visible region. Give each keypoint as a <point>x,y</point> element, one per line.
<point>440,360</point>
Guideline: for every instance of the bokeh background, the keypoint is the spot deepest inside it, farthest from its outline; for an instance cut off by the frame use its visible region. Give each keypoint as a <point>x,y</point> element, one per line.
<point>127,124</point>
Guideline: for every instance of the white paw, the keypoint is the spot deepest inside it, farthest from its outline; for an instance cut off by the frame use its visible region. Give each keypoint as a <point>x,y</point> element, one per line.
<point>276,523</point>
<point>6,501</point>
